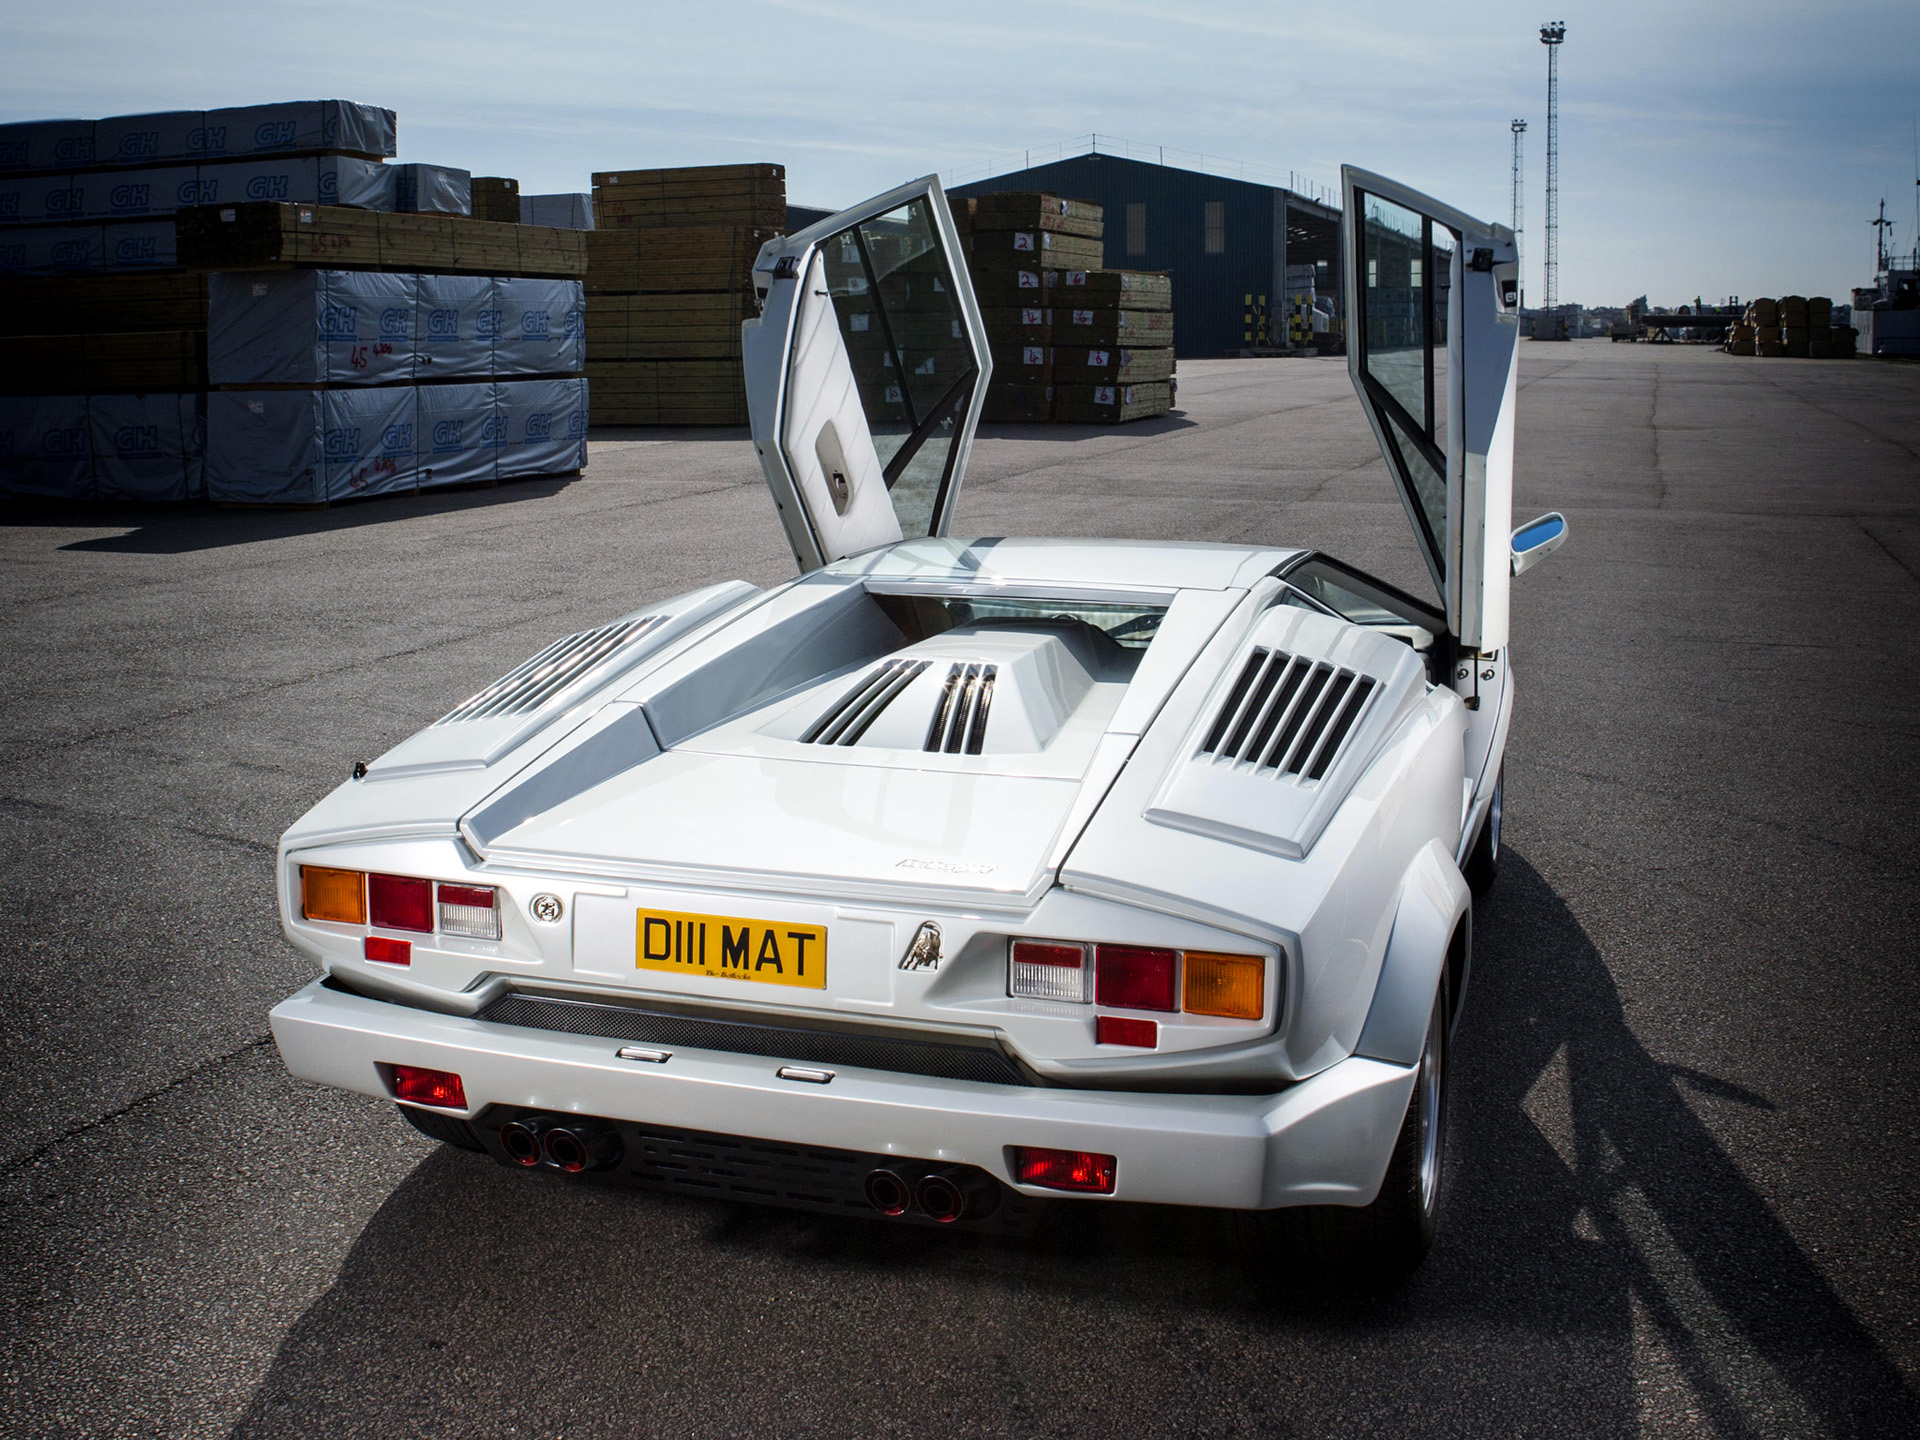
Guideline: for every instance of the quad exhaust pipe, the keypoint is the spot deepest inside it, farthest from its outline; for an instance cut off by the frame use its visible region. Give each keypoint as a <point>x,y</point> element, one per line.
<point>943,1195</point>
<point>571,1146</point>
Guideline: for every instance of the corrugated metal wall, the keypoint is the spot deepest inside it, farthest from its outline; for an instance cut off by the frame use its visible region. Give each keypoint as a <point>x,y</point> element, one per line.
<point>1227,275</point>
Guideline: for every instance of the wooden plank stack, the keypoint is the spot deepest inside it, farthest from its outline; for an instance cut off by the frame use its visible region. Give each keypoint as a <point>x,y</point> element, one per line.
<point>269,235</point>
<point>1071,342</point>
<point>496,197</point>
<point>91,334</point>
<point>669,281</point>
<point>1793,325</point>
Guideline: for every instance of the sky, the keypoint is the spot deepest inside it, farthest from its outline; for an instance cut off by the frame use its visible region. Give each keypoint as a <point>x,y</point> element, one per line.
<point>1707,148</point>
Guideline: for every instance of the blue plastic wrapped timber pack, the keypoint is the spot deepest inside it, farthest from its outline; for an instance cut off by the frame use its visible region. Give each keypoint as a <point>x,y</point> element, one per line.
<point>404,382</point>
<point>103,447</point>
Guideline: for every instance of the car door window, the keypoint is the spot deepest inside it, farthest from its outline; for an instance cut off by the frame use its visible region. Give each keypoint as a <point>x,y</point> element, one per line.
<point>905,337</point>
<point>1407,264</point>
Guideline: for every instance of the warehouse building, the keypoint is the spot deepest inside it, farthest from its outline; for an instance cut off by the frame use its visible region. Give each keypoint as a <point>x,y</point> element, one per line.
<point>1236,250</point>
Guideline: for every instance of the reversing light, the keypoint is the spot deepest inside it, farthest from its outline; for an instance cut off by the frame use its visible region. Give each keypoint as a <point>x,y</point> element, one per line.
<point>387,950</point>
<point>398,903</point>
<point>1233,986</point>
<point>470,910</point>
<point>336,895</point>
<point>1049,970</point>
<point>1124,1030</point>
<point>1135,977</point>
<point>429,1087</point>
<point>1078,1170</point>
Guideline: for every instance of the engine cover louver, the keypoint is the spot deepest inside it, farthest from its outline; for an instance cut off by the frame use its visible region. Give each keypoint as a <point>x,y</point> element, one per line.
<point>528,686</point>
<point>1287,715</point>
<point>850,717</point>
<point>960,723</point>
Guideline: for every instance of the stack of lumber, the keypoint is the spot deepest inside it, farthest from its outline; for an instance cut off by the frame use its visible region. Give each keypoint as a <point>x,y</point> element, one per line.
<point>669,280</point>
<point>496,197</point>
<point>1071,342</point>
<point>1793,325</point>
<point>265,235</point>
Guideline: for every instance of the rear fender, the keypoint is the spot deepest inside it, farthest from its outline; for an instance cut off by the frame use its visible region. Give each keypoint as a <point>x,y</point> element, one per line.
<point>1435,906</point>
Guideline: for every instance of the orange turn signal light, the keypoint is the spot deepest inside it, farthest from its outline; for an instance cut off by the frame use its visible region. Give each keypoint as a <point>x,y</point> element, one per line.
<point>1233,986</point>
<point>336,895</point>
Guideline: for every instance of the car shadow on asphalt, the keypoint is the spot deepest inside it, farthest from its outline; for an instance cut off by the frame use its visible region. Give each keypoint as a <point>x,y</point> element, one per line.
<point>1063,430</point>
<point>1603,1256</point>
<point>185,528</point>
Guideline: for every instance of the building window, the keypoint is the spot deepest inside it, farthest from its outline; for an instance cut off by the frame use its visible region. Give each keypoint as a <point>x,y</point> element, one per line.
<point>1373,272</point>
<point>1136,229</point>
<point>1216,227</point>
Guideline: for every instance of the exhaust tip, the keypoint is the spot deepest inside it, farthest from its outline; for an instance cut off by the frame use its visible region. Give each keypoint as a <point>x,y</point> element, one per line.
<point>888,1191</point>
<point>958,1192</point>
<point>521,1142</point>
<point>575,1148</point>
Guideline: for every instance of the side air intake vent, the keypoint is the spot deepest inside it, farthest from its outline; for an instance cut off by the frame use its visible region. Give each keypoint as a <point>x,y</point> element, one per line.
<point>526,688</point>
<point>1288,715</point>
<point>960,724</point>
<point>849,717</point>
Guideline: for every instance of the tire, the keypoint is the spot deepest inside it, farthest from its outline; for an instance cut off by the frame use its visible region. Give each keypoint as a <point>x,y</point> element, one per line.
<point>1483,860</point>
<point>1385,1241</point>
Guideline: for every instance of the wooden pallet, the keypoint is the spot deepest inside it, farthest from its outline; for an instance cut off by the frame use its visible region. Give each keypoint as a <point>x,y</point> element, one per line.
<point>1032,210</point>
<point>674,259</point>
<point>1017,404</point>
<point>495,197</point>
<point>689,174</point>
<point>643,214</point>
<point>269,235</point>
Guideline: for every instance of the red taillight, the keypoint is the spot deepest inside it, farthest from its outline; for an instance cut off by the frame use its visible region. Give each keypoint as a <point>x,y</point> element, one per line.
<point>397,903</point>
<point>1135,977</point>
<point>1064,1169</point>
<point>389,951</point>
<point>1122,1030</point>
<point>429,1087</point>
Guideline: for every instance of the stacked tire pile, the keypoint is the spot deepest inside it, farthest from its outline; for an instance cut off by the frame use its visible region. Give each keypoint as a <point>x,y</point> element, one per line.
<point>669,281</point>
<point>1071,342</point>
<point>1793,325</point>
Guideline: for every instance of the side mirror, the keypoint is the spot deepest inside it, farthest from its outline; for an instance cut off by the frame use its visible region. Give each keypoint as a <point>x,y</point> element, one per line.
<point>1537,539</point>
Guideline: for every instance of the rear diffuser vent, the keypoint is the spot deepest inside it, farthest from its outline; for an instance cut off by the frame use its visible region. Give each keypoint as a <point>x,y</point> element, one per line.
<point>526,688</point>
<point>849,717</point>
<point>960,724</point>
<point>1288,715</point>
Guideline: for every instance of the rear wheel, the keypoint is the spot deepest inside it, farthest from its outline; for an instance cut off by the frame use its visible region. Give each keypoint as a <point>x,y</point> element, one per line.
<point>1483,860</point>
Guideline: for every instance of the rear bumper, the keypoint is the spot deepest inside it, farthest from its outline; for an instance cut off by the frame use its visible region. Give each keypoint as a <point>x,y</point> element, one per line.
<point>1324,1141</point>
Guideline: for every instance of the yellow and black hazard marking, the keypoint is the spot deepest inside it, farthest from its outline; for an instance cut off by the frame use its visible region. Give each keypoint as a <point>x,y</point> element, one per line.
<point>731,948</point>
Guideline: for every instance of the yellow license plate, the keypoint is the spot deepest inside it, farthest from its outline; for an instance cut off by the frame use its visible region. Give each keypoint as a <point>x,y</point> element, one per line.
<point>730,948</point>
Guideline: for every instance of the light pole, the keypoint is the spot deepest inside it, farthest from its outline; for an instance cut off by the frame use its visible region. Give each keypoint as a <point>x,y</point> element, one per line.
<point>1551,36</point>
<point>1519,191</point>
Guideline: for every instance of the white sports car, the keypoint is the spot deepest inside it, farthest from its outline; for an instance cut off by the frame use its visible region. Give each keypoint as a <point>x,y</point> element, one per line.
<point>954,875</point>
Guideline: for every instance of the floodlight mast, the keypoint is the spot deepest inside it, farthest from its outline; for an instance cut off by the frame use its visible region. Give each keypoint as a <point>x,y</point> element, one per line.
<point>1519,191</point>
<point>1552,35</point>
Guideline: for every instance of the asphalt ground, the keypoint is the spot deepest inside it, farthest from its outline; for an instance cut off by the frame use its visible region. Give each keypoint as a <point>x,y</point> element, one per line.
<point>1684,1181</point>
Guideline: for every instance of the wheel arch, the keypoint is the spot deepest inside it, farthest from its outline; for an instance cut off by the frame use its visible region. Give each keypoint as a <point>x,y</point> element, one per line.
<point>1432,939</point>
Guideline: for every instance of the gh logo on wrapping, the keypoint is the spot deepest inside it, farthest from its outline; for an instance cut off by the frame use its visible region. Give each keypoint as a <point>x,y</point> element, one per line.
<point>447,433</point>
<point>493,432</point>
<point>577,424</point>
<point>487,324</point>
<point>58,442</point>
<point>540,425</point>
<point>207,140</point>
<point>276,134</point>
<point>130,197</point>
<point>138,145</point>
<point>135,250</point>
<point>344,443</point>
<point>533,325</point>
<point>398,439</point>
<point>72,252</point>
<point>137,440</point>
<point>443,324</point>
<point>339,322</point>
<point>267,187</point>
<point>10,205</point>
<point>393,322</point>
